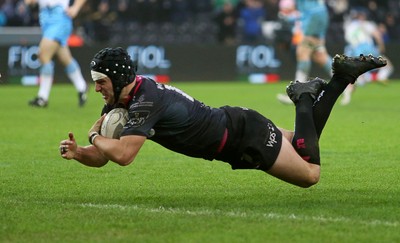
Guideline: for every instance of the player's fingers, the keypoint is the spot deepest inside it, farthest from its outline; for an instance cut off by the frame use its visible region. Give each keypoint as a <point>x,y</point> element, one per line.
<point>102,117</point>
<point>63,149</point>
<point>71,136</point>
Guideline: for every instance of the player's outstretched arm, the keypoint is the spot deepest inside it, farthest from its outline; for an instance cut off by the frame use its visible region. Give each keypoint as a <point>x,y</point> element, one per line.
<point>121,151</point>
<point>88,155</point>
<point>74,9</point>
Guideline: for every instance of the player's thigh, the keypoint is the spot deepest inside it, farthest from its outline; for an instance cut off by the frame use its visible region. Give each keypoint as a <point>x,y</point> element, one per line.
<point>290,167</point>
<point>303,51</point>
<point>316,23</point>
<point>47,49</point>
<point>287,134</point>
<point>321,56</point>
<point>64,55</point>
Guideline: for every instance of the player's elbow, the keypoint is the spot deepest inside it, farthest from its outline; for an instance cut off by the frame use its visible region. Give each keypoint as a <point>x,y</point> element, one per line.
<point>98,165</point>
<point>124,159</point>
<point>124,162</point>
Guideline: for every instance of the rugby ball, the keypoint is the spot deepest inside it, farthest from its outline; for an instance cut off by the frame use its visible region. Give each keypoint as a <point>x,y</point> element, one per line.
<point>113,123</point>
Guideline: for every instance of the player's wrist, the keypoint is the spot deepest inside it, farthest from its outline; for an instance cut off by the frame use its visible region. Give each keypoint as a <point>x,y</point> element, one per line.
<point>92,136</point>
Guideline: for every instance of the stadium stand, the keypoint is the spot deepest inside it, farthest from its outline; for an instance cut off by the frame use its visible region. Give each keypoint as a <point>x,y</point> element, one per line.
<point>186,21</point>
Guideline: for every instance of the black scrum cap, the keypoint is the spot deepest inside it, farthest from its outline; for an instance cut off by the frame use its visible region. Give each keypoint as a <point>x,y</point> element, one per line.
<point>116,64</point>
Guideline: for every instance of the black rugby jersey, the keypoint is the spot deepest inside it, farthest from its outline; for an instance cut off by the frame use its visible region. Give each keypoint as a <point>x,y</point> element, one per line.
<point>174,119</point>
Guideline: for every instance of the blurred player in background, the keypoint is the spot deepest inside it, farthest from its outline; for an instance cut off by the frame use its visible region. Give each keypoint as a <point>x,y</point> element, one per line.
<point>364,37</point>
<point>55,19</point>
<point>314,20</point>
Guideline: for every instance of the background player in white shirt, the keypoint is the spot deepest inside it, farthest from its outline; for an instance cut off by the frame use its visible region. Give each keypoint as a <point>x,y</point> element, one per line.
<point>364,37</point>
<point>56,23</point>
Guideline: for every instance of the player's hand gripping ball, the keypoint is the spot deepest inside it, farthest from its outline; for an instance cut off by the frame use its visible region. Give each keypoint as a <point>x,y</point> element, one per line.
<point>113,123</point>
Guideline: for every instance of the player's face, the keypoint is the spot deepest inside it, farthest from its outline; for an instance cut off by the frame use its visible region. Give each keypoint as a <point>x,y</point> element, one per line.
<point>105,87</point>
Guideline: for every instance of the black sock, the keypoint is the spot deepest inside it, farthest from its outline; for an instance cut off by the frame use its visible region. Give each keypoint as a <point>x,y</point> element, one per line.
<point>305,139</point>
<point>326,100</point>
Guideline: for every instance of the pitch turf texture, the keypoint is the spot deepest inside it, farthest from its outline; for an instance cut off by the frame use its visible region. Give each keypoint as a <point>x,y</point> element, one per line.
<point>167,197</point>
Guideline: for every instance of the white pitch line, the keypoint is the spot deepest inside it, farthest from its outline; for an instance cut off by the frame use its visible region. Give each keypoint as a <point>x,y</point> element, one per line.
<point>238,214</point>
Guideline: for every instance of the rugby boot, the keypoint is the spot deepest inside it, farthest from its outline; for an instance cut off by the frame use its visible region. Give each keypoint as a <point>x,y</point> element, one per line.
<point>82,97</point>
<point>355,66</point>
<point>312,87</point>
<point>38,102</point>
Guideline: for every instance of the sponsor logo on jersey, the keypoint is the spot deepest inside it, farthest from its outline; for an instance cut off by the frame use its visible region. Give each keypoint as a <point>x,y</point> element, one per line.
<point>140,102</point>
<point>138,118</point>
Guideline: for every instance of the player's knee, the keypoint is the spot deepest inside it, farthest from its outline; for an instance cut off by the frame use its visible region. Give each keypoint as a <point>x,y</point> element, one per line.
<point>47,69</point>
<point>311,179</point>
<point>72,67</point>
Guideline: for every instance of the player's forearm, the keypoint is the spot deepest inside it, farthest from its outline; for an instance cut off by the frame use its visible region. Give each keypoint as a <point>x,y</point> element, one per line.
<point>30,2</point>
<point>116,150</point>
<point>89,156</point>
<point>73,10</point>
<point>79,3</point>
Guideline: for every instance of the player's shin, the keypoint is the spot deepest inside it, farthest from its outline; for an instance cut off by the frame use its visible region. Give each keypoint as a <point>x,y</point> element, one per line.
<point>305,140</point>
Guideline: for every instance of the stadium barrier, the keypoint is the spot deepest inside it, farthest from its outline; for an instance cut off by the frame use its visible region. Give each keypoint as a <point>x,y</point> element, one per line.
<point>254,63</point>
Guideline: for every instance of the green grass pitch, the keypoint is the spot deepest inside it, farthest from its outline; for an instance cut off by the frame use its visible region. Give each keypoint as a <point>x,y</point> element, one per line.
<point>167,197</point>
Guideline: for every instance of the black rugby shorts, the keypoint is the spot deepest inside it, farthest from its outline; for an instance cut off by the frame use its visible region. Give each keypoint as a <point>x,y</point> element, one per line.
<point>253,141</point>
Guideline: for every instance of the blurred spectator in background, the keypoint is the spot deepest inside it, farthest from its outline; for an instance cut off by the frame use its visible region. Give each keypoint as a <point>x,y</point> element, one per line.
<point>187,20</point>
<point>391,28</point>
<point>337,11</point>
<point>123,11</point>
<point>271,9</point>
<point>3,18</point>
<point>226,20</point>
<point>376,11</point>
<point>289,35</point>
<point>218,4</point>
<point>8,10</point>
<point>101,20</point>
<point>16,13</point>
<point>251,16</point>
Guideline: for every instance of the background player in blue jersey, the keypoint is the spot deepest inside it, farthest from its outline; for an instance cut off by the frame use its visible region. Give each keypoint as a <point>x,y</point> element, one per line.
<point>364,37</point>
<point>314,21</point>
<point>55,19</point>
<point>239,136</point>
